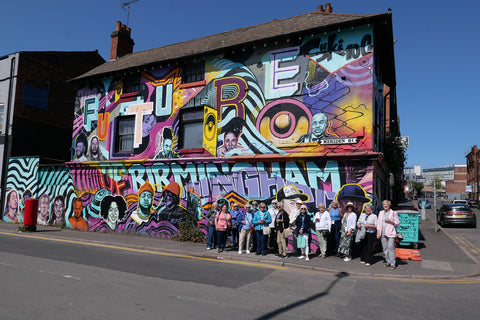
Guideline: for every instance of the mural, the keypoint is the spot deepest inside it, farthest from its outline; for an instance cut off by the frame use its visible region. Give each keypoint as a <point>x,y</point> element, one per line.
<point>150,153</point>
<point>312,97</point>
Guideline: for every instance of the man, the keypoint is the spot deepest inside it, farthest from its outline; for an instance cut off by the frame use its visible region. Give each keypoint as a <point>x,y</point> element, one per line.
<point>43,206</point>
<point>319,124</point>
<point>245,222</point>
<point>272,238</point>
<point>167,143</point>
<point>81,148</point>
<point>56,218</point>
<point>77,221</point>
<point>94,153</point>
<point>145,202</point>
<point>170,209</point>
<point>210,217</point>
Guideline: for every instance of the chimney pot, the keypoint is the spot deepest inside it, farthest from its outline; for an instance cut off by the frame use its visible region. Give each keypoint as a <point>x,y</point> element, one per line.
<point>122,42</point>
<point>118,26</point>
<point>320,9</point>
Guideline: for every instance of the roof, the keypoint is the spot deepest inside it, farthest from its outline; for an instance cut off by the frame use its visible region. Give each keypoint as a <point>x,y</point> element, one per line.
<point>284,27</point>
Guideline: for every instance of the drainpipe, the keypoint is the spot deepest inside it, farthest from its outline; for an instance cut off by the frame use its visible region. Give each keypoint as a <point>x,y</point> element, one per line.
<point>6,145</point>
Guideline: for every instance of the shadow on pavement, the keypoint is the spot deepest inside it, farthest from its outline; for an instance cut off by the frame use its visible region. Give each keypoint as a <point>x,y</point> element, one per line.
<point>277,312</point>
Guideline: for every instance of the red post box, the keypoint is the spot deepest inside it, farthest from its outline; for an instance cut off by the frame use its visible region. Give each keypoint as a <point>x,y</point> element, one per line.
<point>30,214</point>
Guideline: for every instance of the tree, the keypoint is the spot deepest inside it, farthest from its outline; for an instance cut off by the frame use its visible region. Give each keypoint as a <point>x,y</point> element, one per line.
<point>438,184</point>
<point>418,186</point>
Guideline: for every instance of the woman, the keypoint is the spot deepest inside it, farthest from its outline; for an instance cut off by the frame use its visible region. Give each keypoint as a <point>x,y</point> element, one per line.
<point>58,210</point>
<point>261,219</point>
<point>323,224</point>
<point>387,223</point>
<point>223,222</point>
<point>210,217</point>
<point>348,228</point>
<point>303,223</point>
<point>368,221</point>
<point>282,222</point>
<point>336,215</point>
<point>43,205</point>
<point>112,210</point>
<point>245,223</point>
<point>11,208</point>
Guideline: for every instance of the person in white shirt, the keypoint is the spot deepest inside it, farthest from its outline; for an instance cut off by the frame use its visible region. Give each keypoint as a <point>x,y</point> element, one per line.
<point>368,221</point>
<point>323,224</point>
<point>348,229</point>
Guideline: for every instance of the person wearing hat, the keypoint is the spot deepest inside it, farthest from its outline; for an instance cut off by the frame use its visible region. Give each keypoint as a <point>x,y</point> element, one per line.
<point>348,229</point>
<point>303,224</point>
<point>140,218</point>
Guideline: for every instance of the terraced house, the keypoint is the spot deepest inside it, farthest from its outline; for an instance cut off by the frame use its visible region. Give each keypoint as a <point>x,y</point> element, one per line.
<point>299,108</point>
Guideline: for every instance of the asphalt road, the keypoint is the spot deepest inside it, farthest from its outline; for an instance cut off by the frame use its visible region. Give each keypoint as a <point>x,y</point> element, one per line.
<point>58,280</point>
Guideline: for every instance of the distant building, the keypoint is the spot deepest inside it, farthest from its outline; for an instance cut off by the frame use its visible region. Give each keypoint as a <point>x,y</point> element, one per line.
<point>473,172</point>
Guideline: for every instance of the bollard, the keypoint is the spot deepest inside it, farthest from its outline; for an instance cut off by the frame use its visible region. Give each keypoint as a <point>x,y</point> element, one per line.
<point>30,214</point>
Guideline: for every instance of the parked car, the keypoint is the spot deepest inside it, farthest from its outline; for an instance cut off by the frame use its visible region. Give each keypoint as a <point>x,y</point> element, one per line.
<point>456,214</point>
<point>464,202</point>
<point>424,203</point>
<point>473,203</point>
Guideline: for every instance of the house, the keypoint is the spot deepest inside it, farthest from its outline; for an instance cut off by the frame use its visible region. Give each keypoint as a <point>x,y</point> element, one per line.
<point>36,113</point>
<point>302,108</point>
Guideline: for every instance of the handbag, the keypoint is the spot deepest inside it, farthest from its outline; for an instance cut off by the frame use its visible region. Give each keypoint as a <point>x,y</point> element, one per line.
<point>266,230</point>
<point>287,233</point>
<point>301,242</point>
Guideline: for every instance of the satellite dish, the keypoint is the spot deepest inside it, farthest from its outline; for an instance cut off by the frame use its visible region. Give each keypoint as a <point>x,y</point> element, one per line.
<point>126,5</point>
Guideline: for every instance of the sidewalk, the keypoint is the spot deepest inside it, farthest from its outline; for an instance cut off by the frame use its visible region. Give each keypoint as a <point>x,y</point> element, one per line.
<point>441,257</point>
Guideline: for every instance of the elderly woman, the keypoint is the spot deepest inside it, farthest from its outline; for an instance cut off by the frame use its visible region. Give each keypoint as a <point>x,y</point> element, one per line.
<point>223,222</point>
<point>387,223</point>
<point>368,221</point>
<point>261,219</point>
<point>323,225</point>
<point>348,228</point>
<point>303,223</point>
<point>282,222</point>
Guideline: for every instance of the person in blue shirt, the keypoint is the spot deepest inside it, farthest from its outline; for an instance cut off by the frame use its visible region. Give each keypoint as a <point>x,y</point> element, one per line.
<point>245,224</point>
<point>234,213</point>
<point>261,219</point>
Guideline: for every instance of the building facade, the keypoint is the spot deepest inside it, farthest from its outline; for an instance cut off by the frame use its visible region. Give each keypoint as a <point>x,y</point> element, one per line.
<point>292,109</point>
<point>473,172</point>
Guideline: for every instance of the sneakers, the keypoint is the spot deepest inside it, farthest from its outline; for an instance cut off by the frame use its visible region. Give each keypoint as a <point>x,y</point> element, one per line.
<point>346,259</point>
<point>362,261</point>
<point>208,248</point>
<point>368,264</point>
<point>301,257</point>
<point>248,251</point>
<point>239,251</point>
<point>307,258</point>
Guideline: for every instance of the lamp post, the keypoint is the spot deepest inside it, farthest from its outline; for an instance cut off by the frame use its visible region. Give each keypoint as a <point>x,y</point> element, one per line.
<point>435,203</point>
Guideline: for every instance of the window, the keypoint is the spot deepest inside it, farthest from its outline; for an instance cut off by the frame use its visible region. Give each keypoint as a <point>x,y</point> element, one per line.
<point>193,72</point>
<point>124,137</point>
<point>191,133</point>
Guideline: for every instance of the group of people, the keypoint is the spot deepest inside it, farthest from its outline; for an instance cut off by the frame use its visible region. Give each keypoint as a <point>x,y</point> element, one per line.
<point>260,229</point>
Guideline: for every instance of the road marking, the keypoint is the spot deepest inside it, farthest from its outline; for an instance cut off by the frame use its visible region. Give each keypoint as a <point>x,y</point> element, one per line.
<point>39,270</point>
<point>470,246</point>
<point>176,255</point>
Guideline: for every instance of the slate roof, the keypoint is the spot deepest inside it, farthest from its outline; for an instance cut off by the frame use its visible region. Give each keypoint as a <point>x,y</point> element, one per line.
<point>290,26</point>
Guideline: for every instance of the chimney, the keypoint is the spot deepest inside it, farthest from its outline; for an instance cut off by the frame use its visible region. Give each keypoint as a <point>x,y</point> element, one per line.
<point>320,9</point>
<point>328,8</point>
<point>122,43</point>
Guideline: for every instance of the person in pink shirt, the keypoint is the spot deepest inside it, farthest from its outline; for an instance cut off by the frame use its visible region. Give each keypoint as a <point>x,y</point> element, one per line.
<point>387,223</point>
<point>223,222</point>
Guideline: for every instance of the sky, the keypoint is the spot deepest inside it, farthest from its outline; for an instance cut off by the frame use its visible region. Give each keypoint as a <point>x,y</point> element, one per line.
<point>437,44</point>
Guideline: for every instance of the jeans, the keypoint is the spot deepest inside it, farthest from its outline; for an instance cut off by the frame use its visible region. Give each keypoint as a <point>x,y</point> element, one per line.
<point>211,236</point>
<point>221,239</point>
<point>234,237</point>
<point>260,241</point>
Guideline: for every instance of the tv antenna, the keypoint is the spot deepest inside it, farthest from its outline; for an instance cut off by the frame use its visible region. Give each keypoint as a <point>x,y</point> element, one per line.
<point>126,4</point>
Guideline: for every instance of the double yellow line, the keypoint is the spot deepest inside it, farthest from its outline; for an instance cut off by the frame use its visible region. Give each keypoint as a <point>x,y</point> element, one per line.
<point>468,245</point>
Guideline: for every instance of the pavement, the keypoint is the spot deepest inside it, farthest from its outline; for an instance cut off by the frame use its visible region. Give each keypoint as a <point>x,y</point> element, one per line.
<point>442,258</point>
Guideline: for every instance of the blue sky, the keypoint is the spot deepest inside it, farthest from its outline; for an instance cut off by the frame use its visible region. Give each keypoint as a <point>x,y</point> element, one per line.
<point>435,54</point>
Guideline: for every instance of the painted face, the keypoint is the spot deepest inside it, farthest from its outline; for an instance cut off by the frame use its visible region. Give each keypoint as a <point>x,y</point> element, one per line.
<point>113,213</point>
<point>146,200</point>
<point>290,204</point>
<point>13,203</point>
<point>167,145</point>
<point>58,208</point>
<point>230,141</point>
<point>43,206</point>
<point>168,200</point>
<point>94,145</point>
<point>319,123</point>
<point>77,209</point>
<point>80,149</point>
<point>148,123</point>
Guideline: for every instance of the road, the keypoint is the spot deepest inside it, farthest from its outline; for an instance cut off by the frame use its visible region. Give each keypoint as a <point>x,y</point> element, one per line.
<point>63,280</point>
